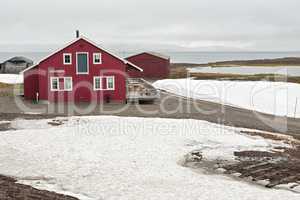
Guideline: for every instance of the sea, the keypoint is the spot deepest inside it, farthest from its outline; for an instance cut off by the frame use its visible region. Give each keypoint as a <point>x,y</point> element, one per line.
<point>176,57</point>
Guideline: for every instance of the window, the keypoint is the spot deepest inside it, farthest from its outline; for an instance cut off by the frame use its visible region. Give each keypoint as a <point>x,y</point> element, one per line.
<point>82,63</point>
<point>108,80</point>
<point>54,83</point>
<point>97,58</point>
<point>61,83</point>
<point>110,83</point>
<point>97,83</point>
<point>67,59</point>
<point>68,84</point>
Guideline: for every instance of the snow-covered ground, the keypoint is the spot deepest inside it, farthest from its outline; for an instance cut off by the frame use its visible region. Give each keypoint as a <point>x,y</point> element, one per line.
<point>276,98</point>
<point>11,78</point>
<point>109,157</point>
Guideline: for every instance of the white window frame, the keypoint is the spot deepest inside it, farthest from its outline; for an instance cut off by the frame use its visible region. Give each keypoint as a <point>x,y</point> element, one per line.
<point>101,83</point>
<point>94,58</point>
<point>113,78</point>
<point>64,58</point>
<point>58,83</point>
<point>65,83</point>
<point>88,64</point>
<point>51,83</point>
<point>100,78</point>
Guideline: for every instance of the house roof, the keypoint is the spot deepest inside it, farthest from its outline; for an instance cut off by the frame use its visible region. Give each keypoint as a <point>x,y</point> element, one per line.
<point>153,54</point>
<point>20,59</point>
<point>158,55</point>
<point>16,57</point>
<point>94,44</point>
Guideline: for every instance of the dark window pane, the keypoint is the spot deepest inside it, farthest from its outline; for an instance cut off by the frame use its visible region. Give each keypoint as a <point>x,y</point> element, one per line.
<point>67,59</point>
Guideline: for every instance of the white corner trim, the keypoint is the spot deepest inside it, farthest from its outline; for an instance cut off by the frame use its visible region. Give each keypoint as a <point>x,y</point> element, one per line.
<point>88,64</point>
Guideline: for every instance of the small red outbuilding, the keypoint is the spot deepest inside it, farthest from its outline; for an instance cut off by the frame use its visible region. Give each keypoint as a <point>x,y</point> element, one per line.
<point>80,71</point>
<point>154,65</point>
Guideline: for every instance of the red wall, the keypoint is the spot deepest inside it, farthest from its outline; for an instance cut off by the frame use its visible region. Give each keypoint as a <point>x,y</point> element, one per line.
<point>82,83</point>
<point>153,66</point>
<point>31,84</point>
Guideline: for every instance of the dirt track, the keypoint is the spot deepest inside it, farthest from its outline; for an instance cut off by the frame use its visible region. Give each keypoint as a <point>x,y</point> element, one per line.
<point>177,107</point>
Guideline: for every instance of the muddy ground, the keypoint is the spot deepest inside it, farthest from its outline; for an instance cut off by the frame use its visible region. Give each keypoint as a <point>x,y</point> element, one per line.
<point>282,166</point>
<point>10,190</point>
<point>279,168</point>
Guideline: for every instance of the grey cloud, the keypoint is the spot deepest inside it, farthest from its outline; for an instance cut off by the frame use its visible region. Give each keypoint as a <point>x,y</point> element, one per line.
<point>196,24</point>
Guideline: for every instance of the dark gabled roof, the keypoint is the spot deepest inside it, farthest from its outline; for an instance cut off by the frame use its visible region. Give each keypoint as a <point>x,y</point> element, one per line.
<point>156,54</point>
<point>20,59</point>
<point>89,41</point>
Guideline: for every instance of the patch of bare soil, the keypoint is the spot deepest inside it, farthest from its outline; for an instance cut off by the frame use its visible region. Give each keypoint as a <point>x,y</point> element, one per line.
<point>10,190</point>
<point>273,168</point>
<point>57,122</point>
<point>279,168</point>
<point>5,126</point>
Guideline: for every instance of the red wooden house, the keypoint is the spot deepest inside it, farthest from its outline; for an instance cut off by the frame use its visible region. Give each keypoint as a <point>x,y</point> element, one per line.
<point>154,65</point>
<point>80,71</point>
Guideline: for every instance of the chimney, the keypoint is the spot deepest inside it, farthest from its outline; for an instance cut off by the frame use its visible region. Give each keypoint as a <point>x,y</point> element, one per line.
<point>77,34</point>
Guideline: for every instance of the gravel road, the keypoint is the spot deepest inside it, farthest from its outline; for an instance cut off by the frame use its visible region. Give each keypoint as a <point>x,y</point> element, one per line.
<point>169,106</point>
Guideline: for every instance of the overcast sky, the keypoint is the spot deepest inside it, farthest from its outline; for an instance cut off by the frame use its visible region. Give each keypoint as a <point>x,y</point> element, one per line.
<point>259,25</point>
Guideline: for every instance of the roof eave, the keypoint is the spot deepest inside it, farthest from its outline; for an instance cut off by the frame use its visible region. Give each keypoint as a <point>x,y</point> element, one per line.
<point>91,42</point>
<point>133,65</point>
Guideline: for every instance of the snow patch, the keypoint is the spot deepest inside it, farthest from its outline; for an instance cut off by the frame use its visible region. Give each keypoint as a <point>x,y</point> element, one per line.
<point>4,122</point>
<point>276,98</point>
<point>11,78</point>
<point>107,157</point>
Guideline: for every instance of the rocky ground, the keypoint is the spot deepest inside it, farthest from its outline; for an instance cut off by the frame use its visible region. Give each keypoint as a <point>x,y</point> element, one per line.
<point>277,169</point>
<point>274,168</point>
